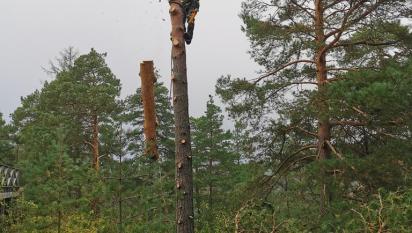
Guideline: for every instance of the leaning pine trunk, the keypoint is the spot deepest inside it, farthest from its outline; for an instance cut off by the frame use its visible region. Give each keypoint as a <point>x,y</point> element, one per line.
<point>184,174</point>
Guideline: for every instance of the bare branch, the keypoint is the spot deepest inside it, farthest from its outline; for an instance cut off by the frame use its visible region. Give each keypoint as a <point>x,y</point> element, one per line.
<point>362,217</point>
<point>366,13</point>
<point>332,4</point>
<point>350,69</point>
<point>364,114</point>
<point>88,143</point>
<point>350,123</point>
<point>331,80</point>
<point>238,217</point>
<point>305,9</point>
<point>346,23</point>
<point>287,85</point>
<point>342,69</point>
<point>356,109</point>
<point>366,43</point>
<point>380,218</point>
<point>307,147</point>
<point>334,150</point>
<point>284,66</point>
<point>389,135</point>
<point>306,131</point>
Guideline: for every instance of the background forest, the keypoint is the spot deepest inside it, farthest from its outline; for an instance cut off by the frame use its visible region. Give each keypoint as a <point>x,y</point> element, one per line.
<point>321,141</point>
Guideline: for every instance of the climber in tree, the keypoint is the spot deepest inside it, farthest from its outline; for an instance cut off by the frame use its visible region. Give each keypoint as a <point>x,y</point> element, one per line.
<point>190,8</point>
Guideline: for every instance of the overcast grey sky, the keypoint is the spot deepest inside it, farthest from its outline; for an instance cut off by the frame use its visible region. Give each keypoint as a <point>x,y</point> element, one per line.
<point>34,32</point>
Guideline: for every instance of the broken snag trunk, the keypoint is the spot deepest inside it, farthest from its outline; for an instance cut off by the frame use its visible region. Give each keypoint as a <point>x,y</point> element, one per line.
<point>184,176</point>
<point>148,79</point>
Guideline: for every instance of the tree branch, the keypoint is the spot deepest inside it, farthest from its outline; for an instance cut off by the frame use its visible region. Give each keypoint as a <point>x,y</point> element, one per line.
<point>306,10</point>
<point>364,42</point>
<point>284,66</point>
<point>346,23</point>
<point>307,147</point>
<point>334,150</point>
<point>350,123</point>
<point>306,131</point>
<point>332,4</point>
<point>89,144</point>
<point>287,85</point>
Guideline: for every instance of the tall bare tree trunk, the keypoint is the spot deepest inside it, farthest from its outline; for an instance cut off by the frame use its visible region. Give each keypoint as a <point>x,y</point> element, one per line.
<point>323,114</point>
<point>184,173</point>
<point>95,143</point>
<point>148,78</point>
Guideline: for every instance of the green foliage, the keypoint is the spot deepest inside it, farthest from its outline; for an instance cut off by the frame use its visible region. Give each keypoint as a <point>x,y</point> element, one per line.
<point>380,93</point>
<point>278,115</point>
<point>389,212</point>
<point>86,91</point>
<point>217,169</point>
<point>29,221</point>
<point>133,115</point>
<point>55,130</point>
<point>264,175</point>
<point>58,189</point>
<point>370,159</point>
<point>148,189</point>
<point>6,142</point>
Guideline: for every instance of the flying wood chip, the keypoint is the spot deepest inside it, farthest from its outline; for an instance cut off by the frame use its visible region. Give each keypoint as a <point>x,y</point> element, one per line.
<point>148,79</point>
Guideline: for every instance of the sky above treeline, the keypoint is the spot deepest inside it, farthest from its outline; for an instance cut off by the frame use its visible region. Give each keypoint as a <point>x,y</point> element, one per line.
<point>34,32</point>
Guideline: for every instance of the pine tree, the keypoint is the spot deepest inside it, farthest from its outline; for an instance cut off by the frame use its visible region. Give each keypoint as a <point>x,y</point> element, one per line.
<point>82,101</point>
<point>83,98</point>
<point>150,184</point>
<point>95,90</point>
<point>305,46</point>
<point>214,165</point>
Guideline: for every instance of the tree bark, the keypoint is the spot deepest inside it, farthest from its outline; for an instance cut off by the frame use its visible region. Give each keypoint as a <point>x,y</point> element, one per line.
<point>95,143</point>
<point>96,158</point>
<point>148,79</point>
<point>184,173</point>
<point>323,114</point>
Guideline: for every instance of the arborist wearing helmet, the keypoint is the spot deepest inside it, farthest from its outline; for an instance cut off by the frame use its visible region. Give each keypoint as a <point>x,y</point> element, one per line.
<point>190,8</point>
